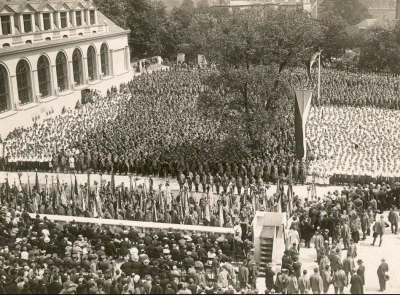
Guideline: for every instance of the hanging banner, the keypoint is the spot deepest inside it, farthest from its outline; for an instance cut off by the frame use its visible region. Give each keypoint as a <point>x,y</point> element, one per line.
<point>301,110</point>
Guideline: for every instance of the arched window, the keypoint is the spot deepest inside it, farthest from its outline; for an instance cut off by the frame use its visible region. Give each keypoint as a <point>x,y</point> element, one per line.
<point>47,39</point>
<point>91,60</point>
<point>24,82</point>
<point>43,71</point>
<point>77,66</point>
<point>61,69</point>
<point>6,45</point>
<point>28,41</point>
<point>4,91</point>
<point>104,59</point>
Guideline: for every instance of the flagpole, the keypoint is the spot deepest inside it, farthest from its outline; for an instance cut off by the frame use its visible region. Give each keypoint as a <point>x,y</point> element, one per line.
<point>319,77</point>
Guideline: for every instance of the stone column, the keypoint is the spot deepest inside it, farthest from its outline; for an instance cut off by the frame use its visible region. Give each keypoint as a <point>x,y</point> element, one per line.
<point>111,62</point>
<point>33,22</point>
<point>1,27</point>
<point>68,21</point>
<point>35,86</point>
<point>74,18</point>
<point>51,21</point>
<point>14,90</point>
<point>58,16</point>
<point>85,71</point>
<point>21,23</point>
<point>70,75</point>
<point>13,94</point>
<point>87,13</point>
<point>42,21</point>
<point>12,24</point>
<point>98,66</point>
<point>53,74</point>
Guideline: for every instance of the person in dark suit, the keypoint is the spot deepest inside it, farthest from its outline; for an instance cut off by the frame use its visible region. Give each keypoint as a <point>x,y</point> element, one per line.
<point>361,270</point>
<point>381,272</point>
<point>379,229</point>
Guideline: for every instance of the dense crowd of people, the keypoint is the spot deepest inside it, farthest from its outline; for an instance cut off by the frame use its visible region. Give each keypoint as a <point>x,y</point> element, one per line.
<point>151,126</point>
<point>39,256</point>
<point>347,89</point>
<point>360,142</point>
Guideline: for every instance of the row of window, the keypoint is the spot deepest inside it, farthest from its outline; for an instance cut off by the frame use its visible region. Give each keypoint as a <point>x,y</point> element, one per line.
<point>23,75</point>
<point>27,23</point>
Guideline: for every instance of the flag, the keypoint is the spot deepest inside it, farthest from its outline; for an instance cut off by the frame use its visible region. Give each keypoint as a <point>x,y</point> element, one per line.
<point>302,107</point>
<point>7,190</point>
<point>221,215</point>
<point>311,63</point>
<point>53,194</point>
<point>29,189</point>
<point>37,187</point>
<point>154,211</point>
<point>71,190</point>
<point>112,187</point>
<point>87,201</point>
<point>290,199</point>
<point>63,197</point>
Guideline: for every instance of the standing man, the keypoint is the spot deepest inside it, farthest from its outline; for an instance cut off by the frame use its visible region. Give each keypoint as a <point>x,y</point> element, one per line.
<point>394,220</point>
<point>379,229</point>
<point>304,283</point>
<point>361,270</point>
<point>316,282</point>
<point>382,270</point>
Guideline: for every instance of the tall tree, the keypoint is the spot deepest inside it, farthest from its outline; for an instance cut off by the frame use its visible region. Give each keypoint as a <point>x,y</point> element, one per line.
<point>335,38</point>
<point>152,30</point>
<point>247,94</point>
<point>352,11</point>
<point>380,51</point>
<point>115,10</point>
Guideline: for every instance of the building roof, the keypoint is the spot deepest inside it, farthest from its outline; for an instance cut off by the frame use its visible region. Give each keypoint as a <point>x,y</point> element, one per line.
<point>38,5</point>
<point>101,19</point>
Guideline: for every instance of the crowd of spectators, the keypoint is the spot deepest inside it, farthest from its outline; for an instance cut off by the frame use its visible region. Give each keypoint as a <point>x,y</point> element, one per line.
<point>39,256</point>
<point>359,141</point>
<point>347,89</point>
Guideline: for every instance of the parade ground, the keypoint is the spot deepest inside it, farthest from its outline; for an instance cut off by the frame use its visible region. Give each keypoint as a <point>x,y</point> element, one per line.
<point>371,255</point>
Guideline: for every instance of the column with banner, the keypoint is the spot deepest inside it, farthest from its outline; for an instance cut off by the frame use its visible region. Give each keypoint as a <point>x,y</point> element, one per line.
<point>302,107</point>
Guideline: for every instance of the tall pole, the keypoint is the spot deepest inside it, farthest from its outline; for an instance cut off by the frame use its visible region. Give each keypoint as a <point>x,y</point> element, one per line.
<point>319,77</point>
<point>316,9</point>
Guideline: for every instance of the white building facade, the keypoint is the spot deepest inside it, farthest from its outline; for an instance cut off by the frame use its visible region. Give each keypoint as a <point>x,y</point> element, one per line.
<point>51,49</point>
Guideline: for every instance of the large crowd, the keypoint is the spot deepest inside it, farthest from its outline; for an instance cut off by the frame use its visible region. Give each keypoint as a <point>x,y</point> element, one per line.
<point>39,256</point>
<point>152,125</point>
<point>347,89</point>
<point>359,142</point>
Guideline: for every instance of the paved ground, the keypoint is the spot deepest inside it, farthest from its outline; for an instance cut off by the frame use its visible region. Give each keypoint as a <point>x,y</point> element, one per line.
<point>371,256</point>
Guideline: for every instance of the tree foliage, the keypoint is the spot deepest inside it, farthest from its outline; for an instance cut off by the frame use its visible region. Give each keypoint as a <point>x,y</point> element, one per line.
<point>380,52</point>
<point>153,32</point>
<point>352,11</point>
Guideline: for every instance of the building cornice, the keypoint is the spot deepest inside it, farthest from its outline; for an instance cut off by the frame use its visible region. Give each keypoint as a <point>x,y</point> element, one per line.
<point>66,42</point>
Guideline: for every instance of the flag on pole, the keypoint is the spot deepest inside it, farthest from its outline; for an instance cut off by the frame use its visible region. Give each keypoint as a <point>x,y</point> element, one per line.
<point>7,190</point>
<point>71,189</point>
<point>221,215</point>
<point>290,199</point>
<point>112,187</point>
<point>302,107</point>
<point>37,186</point>
<point>29,189</point>
<point>311,63</point>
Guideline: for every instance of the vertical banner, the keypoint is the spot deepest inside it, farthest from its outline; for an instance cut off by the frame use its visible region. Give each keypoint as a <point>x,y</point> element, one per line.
<point>302,107</point>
